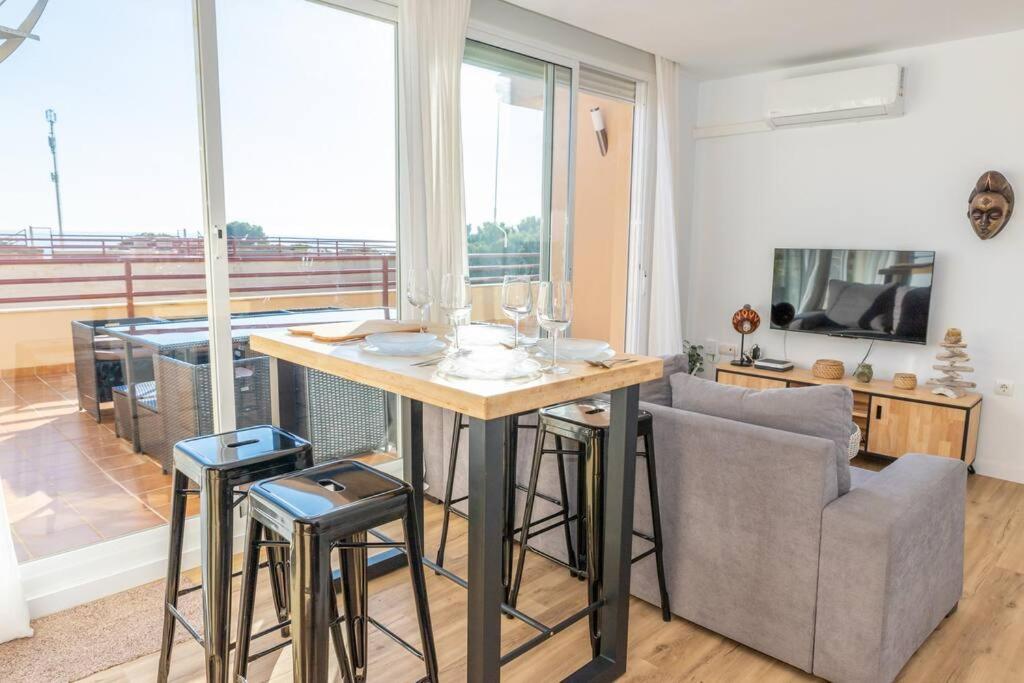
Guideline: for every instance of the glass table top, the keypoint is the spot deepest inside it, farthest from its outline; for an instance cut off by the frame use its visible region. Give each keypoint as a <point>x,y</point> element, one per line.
<point>191,332</point>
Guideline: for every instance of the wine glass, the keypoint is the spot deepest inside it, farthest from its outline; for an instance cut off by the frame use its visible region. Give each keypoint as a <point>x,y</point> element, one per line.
<point>455,301</point>
<point>554,313</point>
<point>419,292</point>
<point>516,300</point>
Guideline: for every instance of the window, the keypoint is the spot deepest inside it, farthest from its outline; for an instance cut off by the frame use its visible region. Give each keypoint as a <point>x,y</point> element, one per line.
<point>515,127</point>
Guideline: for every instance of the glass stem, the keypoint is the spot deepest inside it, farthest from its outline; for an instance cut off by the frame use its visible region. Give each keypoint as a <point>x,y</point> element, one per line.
<point>455,329</point>
<point>554,350</point>
<point>515,339</point>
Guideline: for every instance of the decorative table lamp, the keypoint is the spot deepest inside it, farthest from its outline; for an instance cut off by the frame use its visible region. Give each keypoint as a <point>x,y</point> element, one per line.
<point>745,321</point>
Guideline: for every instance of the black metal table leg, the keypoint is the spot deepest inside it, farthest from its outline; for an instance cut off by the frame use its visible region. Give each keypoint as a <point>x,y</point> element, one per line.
<point>511,454</point>
<point>411,440</point>
<point>486,519</point>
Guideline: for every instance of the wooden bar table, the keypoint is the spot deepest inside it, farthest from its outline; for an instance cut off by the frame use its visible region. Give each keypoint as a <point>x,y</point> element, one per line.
<point>487,403</point>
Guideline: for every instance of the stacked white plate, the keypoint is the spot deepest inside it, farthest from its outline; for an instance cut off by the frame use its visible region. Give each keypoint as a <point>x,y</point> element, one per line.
<point>402,343</point>
<point>490,363</point>
<point>576,349</point>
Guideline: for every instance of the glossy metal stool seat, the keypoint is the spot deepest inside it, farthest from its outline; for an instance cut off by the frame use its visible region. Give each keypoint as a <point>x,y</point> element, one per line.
<point>586,422</point>
<point>331,507</point>
<point>221,464</point>
<point>512,485</point>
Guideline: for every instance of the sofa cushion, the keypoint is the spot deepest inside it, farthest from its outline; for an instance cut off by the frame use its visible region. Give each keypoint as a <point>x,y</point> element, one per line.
<point>815,411</point>
<point>860,476</point>
<point>659,391</point>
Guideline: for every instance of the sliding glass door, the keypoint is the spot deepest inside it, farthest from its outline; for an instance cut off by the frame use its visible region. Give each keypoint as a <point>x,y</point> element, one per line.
<point>307,94</point>
<point>516,128</point>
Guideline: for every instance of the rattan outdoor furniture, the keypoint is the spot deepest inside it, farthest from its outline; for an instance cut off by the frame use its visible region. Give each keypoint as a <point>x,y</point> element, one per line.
<point>98,360</point>
<point>184,402</point>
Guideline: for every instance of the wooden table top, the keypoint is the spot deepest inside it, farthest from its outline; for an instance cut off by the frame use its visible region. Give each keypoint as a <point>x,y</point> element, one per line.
<point>482,399</point>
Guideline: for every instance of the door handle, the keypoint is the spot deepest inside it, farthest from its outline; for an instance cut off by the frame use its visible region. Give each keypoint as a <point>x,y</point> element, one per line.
<point>878,412</point>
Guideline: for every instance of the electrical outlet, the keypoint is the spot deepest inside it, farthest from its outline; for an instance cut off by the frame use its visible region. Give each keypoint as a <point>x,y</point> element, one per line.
<point>1004,387</point>
<point>727,349</point>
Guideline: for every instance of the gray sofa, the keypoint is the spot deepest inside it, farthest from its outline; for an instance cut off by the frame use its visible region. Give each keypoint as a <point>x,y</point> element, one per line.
<point>765,544</point>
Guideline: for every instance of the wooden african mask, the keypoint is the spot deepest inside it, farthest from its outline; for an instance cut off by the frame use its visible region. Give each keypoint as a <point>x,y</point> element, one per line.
<point>990,204</point>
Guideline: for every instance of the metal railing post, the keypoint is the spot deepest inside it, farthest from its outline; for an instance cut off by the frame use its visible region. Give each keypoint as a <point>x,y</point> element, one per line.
<point>385,275</point>
<point>129,290</point>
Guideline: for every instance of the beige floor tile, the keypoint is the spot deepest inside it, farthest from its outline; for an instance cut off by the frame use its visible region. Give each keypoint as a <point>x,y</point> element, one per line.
<point>56,516</point>
<point>150,482</point>
<point>55,542</point>
<point>53,461</point>
<point>122,474</point>
<point>119,460</point>
<point>119,523</point>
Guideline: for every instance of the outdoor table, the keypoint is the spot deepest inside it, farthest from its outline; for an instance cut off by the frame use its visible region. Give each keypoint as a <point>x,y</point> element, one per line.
<point>192,334</point>
<point>487,403</point>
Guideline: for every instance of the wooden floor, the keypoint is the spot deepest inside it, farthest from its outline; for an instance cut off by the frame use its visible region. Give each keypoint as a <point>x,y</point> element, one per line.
<point>983,641</point>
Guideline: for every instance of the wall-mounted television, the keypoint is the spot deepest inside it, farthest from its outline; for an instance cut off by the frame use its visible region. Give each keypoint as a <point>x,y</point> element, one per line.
<point>863,293</point>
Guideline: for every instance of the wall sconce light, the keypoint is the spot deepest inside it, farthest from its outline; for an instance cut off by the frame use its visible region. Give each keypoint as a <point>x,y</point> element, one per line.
<point>602,135</point>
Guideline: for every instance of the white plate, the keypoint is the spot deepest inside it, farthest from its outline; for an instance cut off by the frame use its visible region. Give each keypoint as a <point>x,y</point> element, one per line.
<point>574,349</point>
<point>430,347</point>
<point>604,354</point>
<point>494,364</point>
<point>399,342</point>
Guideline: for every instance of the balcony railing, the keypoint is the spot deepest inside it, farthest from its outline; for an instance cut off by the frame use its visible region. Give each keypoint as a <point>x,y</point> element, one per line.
<point>127,263</point>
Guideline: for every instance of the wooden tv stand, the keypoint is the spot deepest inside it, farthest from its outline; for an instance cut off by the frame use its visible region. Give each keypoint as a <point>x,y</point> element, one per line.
<point>892,421</point>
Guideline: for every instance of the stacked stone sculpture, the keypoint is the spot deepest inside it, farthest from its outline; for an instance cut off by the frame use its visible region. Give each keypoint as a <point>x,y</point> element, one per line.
<point>953,362</point>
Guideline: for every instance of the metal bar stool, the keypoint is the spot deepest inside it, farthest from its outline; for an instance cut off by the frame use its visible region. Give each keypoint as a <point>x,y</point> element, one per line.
<point>586,422</point>
<point>221,464</point>
<point>331,506</point>
<point>512,427</point>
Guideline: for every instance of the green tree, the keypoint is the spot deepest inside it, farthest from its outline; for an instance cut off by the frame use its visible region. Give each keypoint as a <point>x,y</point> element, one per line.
<point>245,231</point>
<point>522,247</point>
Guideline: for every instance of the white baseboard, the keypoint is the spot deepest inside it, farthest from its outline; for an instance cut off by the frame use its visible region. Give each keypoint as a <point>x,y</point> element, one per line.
<point>52,584</point>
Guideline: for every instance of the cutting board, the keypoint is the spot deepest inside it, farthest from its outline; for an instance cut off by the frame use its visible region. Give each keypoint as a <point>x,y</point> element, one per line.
<point>356,329</point>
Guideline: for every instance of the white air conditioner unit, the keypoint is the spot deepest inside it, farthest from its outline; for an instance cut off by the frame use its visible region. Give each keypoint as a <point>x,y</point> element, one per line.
<point>868,93</point>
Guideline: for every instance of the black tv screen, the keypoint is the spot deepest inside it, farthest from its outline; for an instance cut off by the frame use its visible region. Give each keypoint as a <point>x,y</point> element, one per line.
<point>870,294</point>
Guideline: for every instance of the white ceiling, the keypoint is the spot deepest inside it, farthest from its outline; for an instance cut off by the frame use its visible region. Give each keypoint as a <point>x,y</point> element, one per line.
<point>728,37</point>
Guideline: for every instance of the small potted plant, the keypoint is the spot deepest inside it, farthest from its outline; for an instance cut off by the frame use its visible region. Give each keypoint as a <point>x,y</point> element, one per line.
<point>694,356</point>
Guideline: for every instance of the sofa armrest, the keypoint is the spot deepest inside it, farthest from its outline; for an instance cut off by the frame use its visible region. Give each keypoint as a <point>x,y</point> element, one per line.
<point>741,515</point>
<point>891,567</point>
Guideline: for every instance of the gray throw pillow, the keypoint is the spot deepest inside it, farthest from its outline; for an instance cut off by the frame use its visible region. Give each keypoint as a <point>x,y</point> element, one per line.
<point>659,390</point>
<point>815,411</point>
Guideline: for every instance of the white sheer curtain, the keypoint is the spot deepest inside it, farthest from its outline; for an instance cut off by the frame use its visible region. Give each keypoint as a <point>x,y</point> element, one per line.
<point>13,610</point>
<point>665,326</point>
<point>431,41</point>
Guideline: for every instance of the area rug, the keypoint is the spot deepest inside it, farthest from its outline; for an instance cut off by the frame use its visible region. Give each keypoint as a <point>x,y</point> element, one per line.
<point>89,638</point>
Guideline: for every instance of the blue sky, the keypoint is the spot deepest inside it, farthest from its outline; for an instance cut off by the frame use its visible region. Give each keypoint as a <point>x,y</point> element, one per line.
<point>307,98</point>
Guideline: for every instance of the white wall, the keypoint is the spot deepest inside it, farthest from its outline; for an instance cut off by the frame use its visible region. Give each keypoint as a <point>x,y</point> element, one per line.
<point>892,184</point>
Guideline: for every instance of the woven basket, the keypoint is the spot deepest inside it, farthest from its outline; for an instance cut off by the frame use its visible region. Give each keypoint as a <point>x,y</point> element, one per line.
<point>854,448</point>
<point>904,380</point>
<point>826,368</point>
